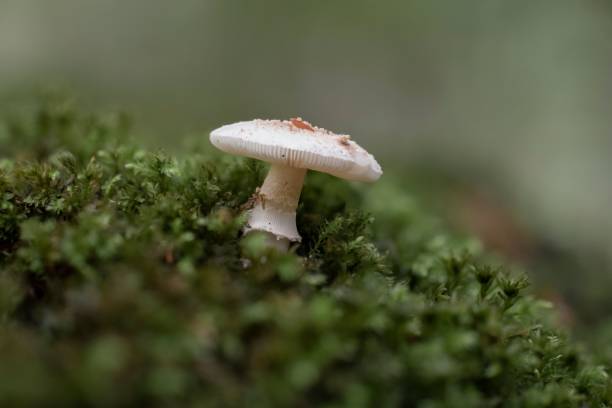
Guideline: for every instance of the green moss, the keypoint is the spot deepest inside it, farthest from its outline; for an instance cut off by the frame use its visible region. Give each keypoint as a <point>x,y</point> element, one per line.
<point>124,280</point>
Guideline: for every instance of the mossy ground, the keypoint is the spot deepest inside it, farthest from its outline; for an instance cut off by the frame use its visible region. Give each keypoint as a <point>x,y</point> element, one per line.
<point>124,281</point>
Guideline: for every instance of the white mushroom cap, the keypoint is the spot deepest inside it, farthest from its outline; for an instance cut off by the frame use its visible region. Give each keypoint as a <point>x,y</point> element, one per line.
<point>296,143</point>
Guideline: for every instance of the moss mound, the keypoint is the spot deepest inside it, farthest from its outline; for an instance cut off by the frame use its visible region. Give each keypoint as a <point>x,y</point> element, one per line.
<point>124,282</point>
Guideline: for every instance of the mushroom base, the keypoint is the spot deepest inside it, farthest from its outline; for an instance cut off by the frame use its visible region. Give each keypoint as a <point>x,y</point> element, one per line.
<point>280,224</point>
<point>276,204</point>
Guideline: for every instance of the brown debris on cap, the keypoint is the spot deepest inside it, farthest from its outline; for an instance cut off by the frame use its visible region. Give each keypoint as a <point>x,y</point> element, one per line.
<point>301,124</point>
<point>345,140</point>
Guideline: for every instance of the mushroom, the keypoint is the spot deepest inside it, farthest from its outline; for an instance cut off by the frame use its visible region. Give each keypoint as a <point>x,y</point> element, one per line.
<point>291,147</point>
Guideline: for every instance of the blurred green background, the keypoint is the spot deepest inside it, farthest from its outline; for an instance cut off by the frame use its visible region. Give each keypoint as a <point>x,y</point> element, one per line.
<point>499,112</point>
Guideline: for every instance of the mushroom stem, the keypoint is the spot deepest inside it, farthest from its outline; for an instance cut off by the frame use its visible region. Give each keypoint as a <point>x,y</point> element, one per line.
<point>283,186</point>
<point>276,205</point>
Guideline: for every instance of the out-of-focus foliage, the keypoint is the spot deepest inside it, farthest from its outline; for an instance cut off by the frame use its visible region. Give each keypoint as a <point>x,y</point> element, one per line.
<point>124,280</point>
<point>508,98</point>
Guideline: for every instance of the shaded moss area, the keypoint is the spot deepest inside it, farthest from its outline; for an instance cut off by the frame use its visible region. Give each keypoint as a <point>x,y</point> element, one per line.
<point>124,281</point>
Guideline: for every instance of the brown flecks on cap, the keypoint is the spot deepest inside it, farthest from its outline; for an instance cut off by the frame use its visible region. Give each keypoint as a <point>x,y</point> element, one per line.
<point>301,124</point>
<point>344,140</point>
